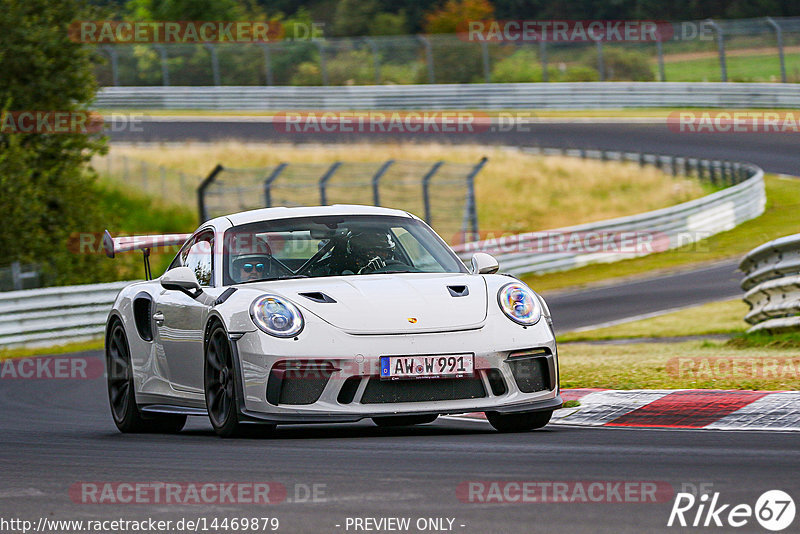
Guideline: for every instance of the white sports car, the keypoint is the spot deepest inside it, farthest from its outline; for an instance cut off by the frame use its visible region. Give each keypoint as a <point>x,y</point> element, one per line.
<point>325,314</point>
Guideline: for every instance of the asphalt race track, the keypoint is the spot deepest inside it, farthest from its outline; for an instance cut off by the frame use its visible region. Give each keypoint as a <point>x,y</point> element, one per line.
<point>58,433</point>
<point>774,152</point>
<point>644,296</point>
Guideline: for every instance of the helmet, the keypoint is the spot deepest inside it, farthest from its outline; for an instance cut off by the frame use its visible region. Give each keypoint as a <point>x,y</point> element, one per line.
<point>367,245</point>
<point>251,258</point>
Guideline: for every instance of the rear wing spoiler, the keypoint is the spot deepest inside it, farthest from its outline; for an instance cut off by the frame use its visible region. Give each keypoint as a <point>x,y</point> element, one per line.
<point>145,243</point>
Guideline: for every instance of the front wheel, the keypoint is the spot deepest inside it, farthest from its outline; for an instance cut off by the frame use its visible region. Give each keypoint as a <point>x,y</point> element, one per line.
<point>404,420</point>
<point>121,395</point>
<point>518,422</point>
<point>220,390</point>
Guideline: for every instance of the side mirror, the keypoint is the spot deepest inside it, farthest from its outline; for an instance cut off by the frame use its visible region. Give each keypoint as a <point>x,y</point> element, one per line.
<point>483,263</point>
<point>181,279</point>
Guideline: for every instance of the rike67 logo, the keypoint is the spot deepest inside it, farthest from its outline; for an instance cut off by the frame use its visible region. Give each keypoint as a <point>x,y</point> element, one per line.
<point>774,510</point>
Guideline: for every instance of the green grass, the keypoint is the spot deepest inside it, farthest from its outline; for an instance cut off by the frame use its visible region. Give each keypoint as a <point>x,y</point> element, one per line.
<point>725,317</point>
<point>128,212</point>
<point>788,340</point>
<point>95,344</point>
<point>690,365</point>
<point>781,217</point>
<point>751,68</point>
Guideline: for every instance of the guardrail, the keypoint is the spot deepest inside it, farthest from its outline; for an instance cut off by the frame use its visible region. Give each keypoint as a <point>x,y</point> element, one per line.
<point>488,96</point>
<point>662,229</point>
<point>772,285</point>
<point>55,315</point>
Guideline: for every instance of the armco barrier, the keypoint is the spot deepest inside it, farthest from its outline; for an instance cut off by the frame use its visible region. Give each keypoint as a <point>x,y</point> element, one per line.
<point>488,96</point>
<point>680,225</point>
<point>772,282</point>
<point>55,315</point>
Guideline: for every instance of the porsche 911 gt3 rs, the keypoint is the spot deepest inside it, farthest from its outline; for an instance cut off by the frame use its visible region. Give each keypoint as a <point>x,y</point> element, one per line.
<point>325,314</point>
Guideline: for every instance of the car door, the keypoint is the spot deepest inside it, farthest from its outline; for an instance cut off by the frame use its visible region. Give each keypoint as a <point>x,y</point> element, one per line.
<point>180,319</point>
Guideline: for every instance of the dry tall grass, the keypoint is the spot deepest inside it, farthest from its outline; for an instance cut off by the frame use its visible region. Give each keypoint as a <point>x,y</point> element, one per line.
<point>516,192</point>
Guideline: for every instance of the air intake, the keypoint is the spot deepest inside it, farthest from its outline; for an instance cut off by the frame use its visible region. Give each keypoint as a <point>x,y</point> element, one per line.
<point>458,291</point>
<point>317,296</point>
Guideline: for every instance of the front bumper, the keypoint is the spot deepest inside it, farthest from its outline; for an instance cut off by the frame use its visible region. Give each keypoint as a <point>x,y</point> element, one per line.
<point>334,375</point>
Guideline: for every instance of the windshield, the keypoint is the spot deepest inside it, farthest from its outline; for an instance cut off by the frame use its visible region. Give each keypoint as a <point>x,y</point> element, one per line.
<point>333,245</point>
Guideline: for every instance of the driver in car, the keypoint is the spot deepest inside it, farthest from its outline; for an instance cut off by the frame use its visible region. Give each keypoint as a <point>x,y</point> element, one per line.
<point>371,251</point>
<point>254,260</point>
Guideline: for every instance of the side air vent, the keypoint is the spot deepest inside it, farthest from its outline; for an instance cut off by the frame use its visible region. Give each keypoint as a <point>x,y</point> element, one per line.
<point>141,316</point>
<point>317,296</point>
<point>458,291</point>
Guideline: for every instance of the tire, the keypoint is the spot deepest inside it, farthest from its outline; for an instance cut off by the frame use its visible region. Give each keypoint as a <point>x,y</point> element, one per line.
<point>518,422</point>
<point>219,385</point>
<point>404,420</point>
<point>121,391</point>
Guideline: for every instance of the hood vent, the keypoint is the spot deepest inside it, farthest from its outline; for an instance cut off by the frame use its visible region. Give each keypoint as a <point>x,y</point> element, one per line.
<point>458,291</point>
<point>317,296</point>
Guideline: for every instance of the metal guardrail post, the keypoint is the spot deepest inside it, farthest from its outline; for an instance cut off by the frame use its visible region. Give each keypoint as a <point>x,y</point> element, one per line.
<point>428,57</point>
<point>162,51</point>
<point>779,38</point>
<point>212,50</point>
<point>324,181</point>
<point>201,192</point>
<point>601,67</point>
<point>721,47</point>
<point>712,172</point>
<point>425,184</point>
<point>376,178</point>
<point>268,183</point>
<point>376,59</point>
<point>485,56</point>
<point>543,59</point>
<point>471,208</point>
<point>323,65</point>
<point>267,63</point>
<point>114,58</point>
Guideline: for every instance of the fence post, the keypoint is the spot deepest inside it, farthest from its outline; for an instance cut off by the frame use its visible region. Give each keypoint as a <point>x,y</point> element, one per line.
<point>601,67</point>
<point>201,192</point>
<point>486,68</point>
<point>721,46</point>
<point>112,55</point>
<point>471,207</point>
<point>16,279</point>
<point>543,59</point>
<point>324,180</point>
<point>268,183</point>
<point>376,178</point>
<point>425,182</point>
<point>376,59</point>
<point>779,38</point>
<point>164,66</point>
<point>267,63</point>
<point>662,77</point>
<point>323,66</point>
<point>428,57</point>
<point>214,62</point>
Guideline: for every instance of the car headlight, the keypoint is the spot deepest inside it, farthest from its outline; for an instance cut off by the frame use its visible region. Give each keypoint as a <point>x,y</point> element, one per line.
<point>276,316</point>
<point>519,303</point>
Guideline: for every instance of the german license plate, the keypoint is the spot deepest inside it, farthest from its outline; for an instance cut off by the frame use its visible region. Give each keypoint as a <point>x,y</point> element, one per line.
<point>434,366</point>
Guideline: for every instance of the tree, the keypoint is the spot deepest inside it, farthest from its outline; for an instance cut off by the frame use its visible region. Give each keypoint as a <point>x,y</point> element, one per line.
<point>46,185</point>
